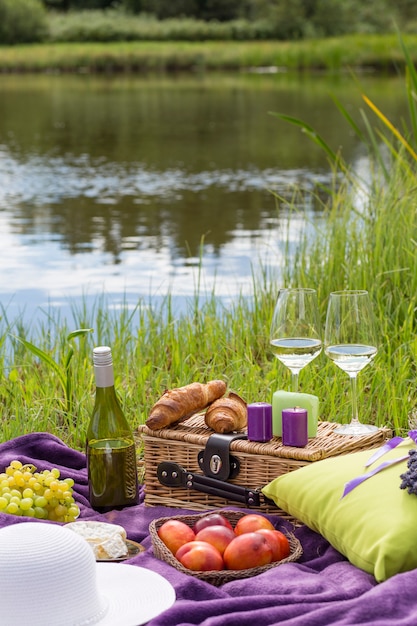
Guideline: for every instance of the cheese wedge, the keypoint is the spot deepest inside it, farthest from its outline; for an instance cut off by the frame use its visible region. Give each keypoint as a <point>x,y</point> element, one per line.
<point>108,541</point>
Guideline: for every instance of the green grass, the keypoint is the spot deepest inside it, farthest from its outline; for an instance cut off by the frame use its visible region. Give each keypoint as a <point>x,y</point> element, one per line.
<point>372,247</point>
<point>368,240</point>
<point>379,52</point>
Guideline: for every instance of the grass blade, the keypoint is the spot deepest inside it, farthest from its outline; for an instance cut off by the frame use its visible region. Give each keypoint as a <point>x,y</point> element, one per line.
<point>310,132</point>
<point>390,126</point>
<point>45,357</point>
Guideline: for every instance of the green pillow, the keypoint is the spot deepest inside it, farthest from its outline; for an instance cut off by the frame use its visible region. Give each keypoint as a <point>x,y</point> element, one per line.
<point>374,526</point>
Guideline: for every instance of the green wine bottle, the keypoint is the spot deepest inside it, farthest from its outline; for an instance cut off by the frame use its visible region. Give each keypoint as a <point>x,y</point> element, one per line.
<point>110,446</point>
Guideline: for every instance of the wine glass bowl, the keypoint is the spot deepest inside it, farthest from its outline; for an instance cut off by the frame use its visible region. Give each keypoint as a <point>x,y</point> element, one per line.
<point>295,330</point>
<point>350,342</point>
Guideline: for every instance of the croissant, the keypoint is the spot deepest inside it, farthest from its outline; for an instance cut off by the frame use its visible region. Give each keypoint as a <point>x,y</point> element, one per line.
<point>181,402</point>
<point>227,414</point>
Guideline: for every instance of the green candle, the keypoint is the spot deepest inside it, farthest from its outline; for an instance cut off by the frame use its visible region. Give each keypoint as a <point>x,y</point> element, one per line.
<point>289,399</point>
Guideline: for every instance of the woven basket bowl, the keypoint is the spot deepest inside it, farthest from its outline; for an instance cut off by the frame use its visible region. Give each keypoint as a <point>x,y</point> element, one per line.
<point>216,578</point>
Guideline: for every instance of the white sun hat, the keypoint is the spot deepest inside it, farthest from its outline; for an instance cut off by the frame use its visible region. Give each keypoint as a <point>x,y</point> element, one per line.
<point>49,577</point>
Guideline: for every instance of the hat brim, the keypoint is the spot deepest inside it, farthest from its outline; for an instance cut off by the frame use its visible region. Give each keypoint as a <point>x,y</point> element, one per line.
<point>135,595</point>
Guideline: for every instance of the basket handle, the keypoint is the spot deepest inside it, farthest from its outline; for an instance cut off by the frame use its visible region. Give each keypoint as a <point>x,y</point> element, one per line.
<point>173,475</point>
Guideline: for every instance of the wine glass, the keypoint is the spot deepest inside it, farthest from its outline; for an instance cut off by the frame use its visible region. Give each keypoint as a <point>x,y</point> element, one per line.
<point>295,330</point>
<point>350,342</point>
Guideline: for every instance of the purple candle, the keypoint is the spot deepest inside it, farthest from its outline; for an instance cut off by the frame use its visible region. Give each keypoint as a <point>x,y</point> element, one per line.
<point>259,421</point>
<point>295,427</point>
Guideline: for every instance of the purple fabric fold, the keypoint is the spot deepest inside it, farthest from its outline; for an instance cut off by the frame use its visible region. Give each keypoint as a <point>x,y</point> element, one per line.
<point>322,588</point>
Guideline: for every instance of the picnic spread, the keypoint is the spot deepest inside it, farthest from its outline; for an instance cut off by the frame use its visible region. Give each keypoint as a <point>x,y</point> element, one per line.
<point>322,586</point>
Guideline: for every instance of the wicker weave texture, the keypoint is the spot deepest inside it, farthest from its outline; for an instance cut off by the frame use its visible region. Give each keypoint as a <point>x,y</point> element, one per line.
<point>259,462</point>
<point>216,578</point>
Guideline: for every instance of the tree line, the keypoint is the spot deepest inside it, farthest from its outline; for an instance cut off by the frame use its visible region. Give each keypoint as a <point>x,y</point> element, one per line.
<point>27,20</point>
<point>299,18</point>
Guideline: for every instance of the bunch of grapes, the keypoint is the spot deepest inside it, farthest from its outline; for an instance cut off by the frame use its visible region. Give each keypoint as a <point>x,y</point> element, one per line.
<point>43,495</point>
<point>409,478</point>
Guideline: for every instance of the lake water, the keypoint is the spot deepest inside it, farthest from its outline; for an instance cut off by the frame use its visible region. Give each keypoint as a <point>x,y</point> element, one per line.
<point>136,187</point>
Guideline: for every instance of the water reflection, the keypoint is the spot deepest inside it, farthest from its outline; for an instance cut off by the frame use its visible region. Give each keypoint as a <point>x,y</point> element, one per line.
<point>112,183</point>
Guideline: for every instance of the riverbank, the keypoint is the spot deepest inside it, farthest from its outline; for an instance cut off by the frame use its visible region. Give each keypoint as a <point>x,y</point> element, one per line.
<point>211,342</point>
<point>357,247</point>
<point>382,53</point>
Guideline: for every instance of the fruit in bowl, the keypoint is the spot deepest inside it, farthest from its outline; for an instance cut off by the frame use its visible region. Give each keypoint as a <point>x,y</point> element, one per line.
<point>278,542</point>
<point>246,551</point>
<point>211,519</point>
<point>200,556</point>
<point>219,536</point>
<point>252,522</point>
<point>175,534</point>
<point>250,542</point>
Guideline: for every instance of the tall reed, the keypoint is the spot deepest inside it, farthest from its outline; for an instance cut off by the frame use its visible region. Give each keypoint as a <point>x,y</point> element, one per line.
<point>366,239</point>
<point>362,243</point>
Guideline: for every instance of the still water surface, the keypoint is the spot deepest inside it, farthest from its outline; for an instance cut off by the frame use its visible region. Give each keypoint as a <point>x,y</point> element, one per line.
<point>135,187</point>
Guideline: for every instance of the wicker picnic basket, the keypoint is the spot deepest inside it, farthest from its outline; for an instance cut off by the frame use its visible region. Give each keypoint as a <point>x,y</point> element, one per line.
<point>217,578</point>
<point>181,446</point>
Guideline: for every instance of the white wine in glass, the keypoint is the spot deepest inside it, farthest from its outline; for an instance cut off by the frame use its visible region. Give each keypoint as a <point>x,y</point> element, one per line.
<point>350,342</point>
<point>295,330</point>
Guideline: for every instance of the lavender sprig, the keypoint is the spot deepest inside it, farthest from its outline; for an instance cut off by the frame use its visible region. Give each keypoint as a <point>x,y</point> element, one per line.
<point>409,478</point>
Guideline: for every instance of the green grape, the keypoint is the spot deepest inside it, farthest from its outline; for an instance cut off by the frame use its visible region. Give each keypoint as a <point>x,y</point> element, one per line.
<point>19,478</point>
<point>13,508</point>
<point>73,511</point>
<point>48,494</point>
<point>43,495</point>
<point>60,510</point>
<point>40,502</point>
<point>26,504</point>
<point>40,512</point>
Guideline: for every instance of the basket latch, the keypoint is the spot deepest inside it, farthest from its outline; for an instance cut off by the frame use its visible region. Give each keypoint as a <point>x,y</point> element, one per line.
<point>216,461</point>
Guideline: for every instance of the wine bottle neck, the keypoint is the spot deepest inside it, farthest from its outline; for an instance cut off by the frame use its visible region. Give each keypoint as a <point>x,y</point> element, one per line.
<point>104,376</point>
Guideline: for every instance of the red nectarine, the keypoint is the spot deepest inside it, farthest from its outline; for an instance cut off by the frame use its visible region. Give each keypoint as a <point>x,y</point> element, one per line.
<point>278,542</point>
<point>251,522</point>
<point>174,534</point>
<point>218,536</point>
<point>211,519</point>
<point>200,556</point>
<point>247,550</point>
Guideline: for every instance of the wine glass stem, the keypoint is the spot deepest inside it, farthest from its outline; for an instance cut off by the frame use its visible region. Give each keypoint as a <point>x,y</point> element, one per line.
<point>294,380</point>
<point>353,387</point>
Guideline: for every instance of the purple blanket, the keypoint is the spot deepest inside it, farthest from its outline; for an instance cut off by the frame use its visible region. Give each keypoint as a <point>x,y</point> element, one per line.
<point>321,589</point>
